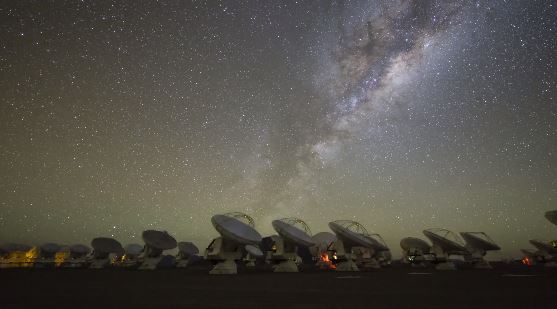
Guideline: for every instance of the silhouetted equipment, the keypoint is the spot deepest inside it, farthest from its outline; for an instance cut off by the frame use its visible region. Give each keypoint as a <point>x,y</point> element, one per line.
<point>350,234</point>
<point>478,243</point>
<point>47,255</point>
<point>445,244</point>
<point>375,257</point>
<point>155,243</point>
<point>17,255</point>
<point>551,216</point>
<point>293,232</point>
<point>186,250</point>
<point>415,251</point>
<point>105,252</point>
<point>78,256</point>
<point>237,232</point>
<point>132,256</point>
<point>545,246</point>
<point>320,250</point>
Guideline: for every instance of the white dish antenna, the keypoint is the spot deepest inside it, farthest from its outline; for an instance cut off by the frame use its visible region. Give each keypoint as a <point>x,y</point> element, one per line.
<point>379,243</point>
<point>479,241</point>
<point>254,251</point>
<point>445,244</point>
<point>551,216</point>
<point>155,243</point>
<point>549,247</point>
<point>415,251</point>
<point>105,245</point>
<point>187,248</point>
<point>230,227</point>
<point>293,232</point>
<point>103,249</point>
<point>159,240</point>
<point>413,243</point>
<point>350,235</point>
<point>448,241</point>
<point>236,230</point>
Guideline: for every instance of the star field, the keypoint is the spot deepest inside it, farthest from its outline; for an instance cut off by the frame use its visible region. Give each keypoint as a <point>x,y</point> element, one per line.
<point>118,117</point>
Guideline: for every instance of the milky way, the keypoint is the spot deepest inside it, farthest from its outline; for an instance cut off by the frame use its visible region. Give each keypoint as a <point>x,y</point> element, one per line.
<point>402,115</point>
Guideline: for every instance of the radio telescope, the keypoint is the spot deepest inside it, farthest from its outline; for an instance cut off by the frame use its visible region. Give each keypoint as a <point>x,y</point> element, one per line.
<point>350,234</point>
<point>551,216</point>
<point>376,256</point>
<point>155,243</point>
<point>105,251</point>
<point>47,255</point>
<point>78,256</point>
<point>132,256</point>
<point>547,250</point>
<point>415,251</point>
<point>17,255</point>
<point>445,244</point>
<point>320,250</point>
<point>237,233</point>
<point>186,250</point>
<point>293,232</point>
<point>478,243</point>
<point>252,253</point>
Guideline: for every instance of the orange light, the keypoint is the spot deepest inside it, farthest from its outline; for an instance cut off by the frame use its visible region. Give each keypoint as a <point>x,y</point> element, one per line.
<point>326,261</point>
<point>526,261</point>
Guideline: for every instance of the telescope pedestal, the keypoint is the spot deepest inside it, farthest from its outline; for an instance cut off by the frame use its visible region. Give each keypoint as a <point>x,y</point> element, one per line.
<point>150,263</point>
<point>347,261</point>
<point>482,264</point>
<point>285,256</point>
<point>226,267</point>
<point>446,266</point>
<point>225,254</point>
<point>347,265</point>
<point>182,263</point>
<point>286,266</point>
<point>99,263</point>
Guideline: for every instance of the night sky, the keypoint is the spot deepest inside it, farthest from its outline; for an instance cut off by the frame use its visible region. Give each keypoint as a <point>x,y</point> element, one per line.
<point>116,117</point>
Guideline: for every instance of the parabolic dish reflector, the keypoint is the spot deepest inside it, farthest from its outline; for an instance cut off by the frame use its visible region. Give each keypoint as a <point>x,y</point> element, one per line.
<point>342,230</point>
<point>235,230</point>
<point>253,251</point>
<point>133,249</point>
<point>445,239</point>
<point>378,242</point>
<point>410,243</point>
<point>106,245</point>
<point>323,238</point>
<point>159,240</point>
<point>292,233</point>
<point>188,248</point>
<point>79,249</point>
<point>50,248</point>
<point>11,247</point>
<point>479,240</point>
<point>551,216</point>
<point>544,246</point>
